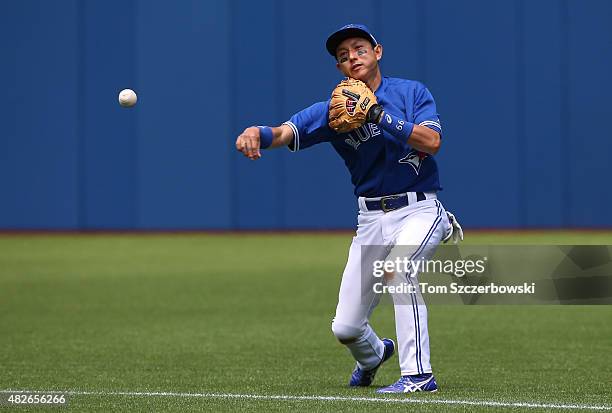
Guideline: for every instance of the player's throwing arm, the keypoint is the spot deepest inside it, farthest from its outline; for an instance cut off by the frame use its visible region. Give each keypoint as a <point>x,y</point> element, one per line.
<point>255,138</point>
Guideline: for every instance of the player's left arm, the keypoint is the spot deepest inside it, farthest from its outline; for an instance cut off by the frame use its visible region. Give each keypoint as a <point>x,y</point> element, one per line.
<point>424,134</point>
<point>419,137</point>
<point>425,139</point>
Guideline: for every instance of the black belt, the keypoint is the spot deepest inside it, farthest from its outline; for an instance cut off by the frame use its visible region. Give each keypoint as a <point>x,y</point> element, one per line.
<point>392,202</point>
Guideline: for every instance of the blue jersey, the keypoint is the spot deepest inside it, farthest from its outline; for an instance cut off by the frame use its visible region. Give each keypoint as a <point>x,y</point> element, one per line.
<point>379,163</point>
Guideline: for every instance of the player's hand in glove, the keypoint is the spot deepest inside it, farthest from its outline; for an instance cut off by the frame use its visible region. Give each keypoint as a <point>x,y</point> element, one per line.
<point>455,232</point>
<point>352,104</point>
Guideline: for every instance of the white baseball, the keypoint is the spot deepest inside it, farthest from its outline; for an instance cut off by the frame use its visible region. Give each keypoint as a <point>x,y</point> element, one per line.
<point>127,98</point>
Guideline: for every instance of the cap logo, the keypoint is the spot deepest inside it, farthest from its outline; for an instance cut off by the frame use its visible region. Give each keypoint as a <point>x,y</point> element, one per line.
<point>349,30</point>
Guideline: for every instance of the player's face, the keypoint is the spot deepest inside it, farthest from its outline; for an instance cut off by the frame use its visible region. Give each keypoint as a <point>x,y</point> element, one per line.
<point>357,58</point>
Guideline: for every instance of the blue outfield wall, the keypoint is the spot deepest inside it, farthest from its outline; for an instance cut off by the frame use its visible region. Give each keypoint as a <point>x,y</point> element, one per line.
<point>522,87</point>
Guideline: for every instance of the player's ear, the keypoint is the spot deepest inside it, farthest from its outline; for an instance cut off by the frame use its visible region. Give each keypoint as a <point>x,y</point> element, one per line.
<point>378,51</point>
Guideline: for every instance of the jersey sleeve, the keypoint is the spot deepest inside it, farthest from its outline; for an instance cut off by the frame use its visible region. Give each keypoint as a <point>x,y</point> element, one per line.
<point>425,113</point>
<point>310,127</point>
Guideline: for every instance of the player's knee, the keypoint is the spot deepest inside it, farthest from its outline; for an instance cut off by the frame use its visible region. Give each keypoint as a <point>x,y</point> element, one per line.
<point>346,334</point>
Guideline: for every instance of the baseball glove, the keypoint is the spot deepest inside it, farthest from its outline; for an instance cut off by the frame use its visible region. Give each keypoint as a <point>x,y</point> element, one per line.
<point>352,104</point>
<point>454,232</point>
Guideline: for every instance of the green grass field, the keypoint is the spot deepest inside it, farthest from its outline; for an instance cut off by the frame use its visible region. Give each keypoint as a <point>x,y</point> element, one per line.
<point>231,322</point>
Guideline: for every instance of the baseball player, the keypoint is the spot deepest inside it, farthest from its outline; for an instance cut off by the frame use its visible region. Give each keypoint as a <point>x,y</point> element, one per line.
<point>386,130</point>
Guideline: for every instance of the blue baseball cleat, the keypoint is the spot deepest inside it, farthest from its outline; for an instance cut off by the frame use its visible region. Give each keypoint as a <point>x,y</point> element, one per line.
<point>412,384</point>
<point>363,378</point>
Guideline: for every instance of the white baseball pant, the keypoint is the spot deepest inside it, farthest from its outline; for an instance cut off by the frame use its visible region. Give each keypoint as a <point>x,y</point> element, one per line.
<point>416,229</point>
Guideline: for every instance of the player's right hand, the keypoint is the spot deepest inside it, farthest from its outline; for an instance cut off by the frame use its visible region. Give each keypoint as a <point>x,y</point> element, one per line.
<point>248,143</point>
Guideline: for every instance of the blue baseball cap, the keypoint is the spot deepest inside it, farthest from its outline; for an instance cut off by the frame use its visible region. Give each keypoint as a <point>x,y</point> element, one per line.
<point>345,32</point>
